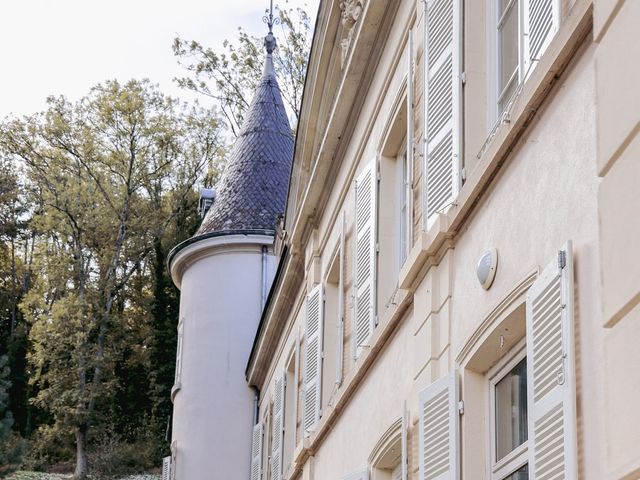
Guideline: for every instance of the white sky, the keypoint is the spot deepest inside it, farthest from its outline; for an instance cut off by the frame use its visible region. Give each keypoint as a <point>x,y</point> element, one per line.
<point>53,47</point>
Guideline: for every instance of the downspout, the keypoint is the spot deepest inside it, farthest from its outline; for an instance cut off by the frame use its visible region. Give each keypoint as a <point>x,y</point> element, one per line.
<point>264,277</point>
<point>425,93</point>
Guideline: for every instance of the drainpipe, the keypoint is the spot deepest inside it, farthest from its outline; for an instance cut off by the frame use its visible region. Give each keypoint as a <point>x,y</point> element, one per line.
<point>264,275</point>
<point>425,92</point>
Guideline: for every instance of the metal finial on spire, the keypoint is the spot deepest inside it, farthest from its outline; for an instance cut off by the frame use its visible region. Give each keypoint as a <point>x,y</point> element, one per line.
<point>270,20</point>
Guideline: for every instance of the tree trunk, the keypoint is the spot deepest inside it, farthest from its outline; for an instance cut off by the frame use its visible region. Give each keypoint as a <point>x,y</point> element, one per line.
<point>81,453</point>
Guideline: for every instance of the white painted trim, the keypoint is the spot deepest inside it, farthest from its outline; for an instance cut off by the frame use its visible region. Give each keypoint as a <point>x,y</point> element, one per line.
<point>499,469</point>
<point>251,243</point>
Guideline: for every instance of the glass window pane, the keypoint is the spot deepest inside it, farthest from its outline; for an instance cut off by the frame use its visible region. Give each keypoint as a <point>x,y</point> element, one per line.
<point>520,474</point>
<point>508,44</point>
<point>503,5</point>
<point>507,95</point>
<point>511,410</point>
<point>404,214</point>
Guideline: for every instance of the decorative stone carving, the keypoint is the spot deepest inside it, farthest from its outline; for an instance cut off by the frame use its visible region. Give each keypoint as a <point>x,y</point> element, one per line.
<point>351,11</point>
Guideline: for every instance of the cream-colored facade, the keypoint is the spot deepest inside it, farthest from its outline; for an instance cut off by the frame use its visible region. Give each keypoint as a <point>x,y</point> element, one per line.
<point>379,354</point>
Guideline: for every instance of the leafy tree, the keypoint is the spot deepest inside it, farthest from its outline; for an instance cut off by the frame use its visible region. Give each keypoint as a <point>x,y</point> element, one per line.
<point>16,242</point>
<point>10,444</point>
<point>230,76</point>
<point>109,175</point>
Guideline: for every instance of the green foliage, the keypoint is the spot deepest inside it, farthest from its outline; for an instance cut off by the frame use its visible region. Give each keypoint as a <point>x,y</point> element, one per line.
<point>229,76</point>
<point>112,180</point>
<point>48,446</point>
<point>11,445</point>
<point>16,241</point>
<point>93,196</point>
<point>114,457</point>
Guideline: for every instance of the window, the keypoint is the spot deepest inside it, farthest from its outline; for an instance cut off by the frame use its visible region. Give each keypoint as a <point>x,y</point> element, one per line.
<point>404,213</point>
<point>177,381</point>
<point>331,368</point>
<point>290,411</point>
<point>519,382</point>
<point>522,30</point>
<point>390,453</point>
<point>508,416</point>
<point>508,63</point>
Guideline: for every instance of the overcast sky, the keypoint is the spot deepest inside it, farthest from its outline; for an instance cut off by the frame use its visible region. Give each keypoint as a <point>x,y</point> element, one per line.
<point>53,47</point>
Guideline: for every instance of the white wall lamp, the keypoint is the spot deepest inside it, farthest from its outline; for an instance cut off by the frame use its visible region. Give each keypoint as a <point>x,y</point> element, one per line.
<point>486,268</point>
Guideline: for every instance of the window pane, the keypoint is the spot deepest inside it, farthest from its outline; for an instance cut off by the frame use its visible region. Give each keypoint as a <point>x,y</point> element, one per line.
<point>508,44</point>
<point>507,94</point>
<point>521,474</point>
<point>511,410</point>
<point>404,214</point>
<point>504,4</point>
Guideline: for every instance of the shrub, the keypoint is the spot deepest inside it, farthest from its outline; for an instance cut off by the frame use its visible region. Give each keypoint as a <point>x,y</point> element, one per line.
<point>112,458</point>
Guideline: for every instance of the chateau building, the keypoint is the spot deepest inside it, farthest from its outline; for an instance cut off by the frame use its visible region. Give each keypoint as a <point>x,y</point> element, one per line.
<point>440,278</point>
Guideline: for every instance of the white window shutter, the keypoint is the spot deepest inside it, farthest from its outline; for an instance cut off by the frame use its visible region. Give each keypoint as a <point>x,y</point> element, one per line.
<point>256,451</point>
<point>277,425</point>
<point>541,19</point>
<point>439,423</point>
<point>173,461</point>
<point>443,90</point>
<point>166,468</point>
<point>550,372</point>
<point>365,255</point>
<point>313,359</point>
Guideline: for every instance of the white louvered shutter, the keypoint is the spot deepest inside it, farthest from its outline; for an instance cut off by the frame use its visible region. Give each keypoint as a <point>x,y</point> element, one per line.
<point>439,441</point>
<point>256,451</point>
<point>313,359</point>
<point>365,256</point>
<point>277,425</point>
<point>166,468</point>
<point>443,87</point>
<point>541,19</point>
<point>174,461</point>
<point>550,372</point>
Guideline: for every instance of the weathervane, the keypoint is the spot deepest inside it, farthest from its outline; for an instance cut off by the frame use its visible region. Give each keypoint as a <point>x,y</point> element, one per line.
<point>270,40</point>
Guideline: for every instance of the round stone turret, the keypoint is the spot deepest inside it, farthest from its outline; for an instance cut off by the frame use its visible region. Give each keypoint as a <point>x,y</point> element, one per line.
<point>224,273</point>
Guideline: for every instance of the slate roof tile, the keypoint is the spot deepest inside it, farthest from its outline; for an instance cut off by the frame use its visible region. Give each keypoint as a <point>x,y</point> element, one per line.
<point>253,189</point>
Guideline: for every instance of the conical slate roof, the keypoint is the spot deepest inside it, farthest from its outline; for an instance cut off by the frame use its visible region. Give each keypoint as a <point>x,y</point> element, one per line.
<point>253,189</point>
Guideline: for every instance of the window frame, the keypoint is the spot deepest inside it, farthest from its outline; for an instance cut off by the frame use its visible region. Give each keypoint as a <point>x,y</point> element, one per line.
<point>497,17</point>
<point>524,65</point>
<point>519,456</point>
<point>404,192</point>
<point>290,411</point>
<point>177,374</point>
